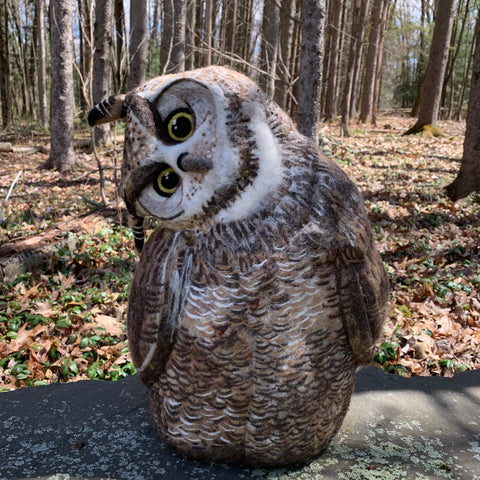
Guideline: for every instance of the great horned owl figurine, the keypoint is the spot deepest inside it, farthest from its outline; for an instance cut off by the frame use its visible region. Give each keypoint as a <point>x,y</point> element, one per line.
<point>260,292</point>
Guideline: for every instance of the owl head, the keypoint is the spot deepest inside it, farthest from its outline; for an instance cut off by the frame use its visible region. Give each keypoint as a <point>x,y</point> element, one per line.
<point>199,149</point>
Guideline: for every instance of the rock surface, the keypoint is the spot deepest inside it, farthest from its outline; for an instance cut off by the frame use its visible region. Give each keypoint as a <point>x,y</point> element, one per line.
<point>421,428</point>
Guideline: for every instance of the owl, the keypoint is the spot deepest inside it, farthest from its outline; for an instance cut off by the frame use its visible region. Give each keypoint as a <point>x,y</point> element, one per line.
<point>260,292</point>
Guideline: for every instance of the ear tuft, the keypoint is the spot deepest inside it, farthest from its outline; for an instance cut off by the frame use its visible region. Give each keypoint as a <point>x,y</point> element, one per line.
<point>137,224</point>
<point>109,110</point>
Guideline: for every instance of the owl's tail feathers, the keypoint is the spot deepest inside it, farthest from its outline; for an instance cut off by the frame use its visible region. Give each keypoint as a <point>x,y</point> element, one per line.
<point>109,110</point>
<point>137,225</point>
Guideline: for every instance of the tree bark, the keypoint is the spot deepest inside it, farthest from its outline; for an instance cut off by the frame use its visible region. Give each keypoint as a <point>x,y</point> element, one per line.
<point>333,58</point>
<point>378,68</point>
<point>62,155</point>
<point>42,82</point>
<point>371,62</point>
<point>358,57</point>
<point>283,84</point>
<point>103,39</point>
<point>348,85</point>
<point>230,16</point>
<point>243,41</point>
<point>85,22</point>
<point>178,52</point>
<point>465,81</point>
<point>167,34</point>
<point>21,58</point>
<point>311,61</point>
<point>190,35</point>
<point>173,36</point>
<point>456,46</point>
<point>431,90</point>
<point>468,178</point>
<point>268,52</point>
<point>4,64</point>
<point>120,34</point>
<point>207,43</point>
<point>138,44</point>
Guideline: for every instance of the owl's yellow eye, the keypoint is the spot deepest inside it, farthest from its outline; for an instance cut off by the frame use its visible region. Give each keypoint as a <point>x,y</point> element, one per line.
<point>167,182</point>
<point>180,125</point>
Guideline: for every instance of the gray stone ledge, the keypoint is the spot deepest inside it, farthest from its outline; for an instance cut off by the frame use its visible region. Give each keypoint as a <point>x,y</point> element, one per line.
<point>397,428</point>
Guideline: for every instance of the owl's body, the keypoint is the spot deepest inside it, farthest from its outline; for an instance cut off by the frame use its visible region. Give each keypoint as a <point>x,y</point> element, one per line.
<point>260,292</point>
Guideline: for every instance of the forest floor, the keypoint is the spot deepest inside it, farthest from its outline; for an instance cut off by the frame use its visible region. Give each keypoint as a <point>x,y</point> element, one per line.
<point>64,319</point>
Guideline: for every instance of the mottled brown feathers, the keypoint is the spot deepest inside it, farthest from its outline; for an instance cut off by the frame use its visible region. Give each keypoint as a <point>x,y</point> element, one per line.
<point>260,292</point>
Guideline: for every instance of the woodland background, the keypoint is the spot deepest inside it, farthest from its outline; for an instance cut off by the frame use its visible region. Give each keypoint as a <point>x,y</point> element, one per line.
<point>383,45</point>
<point>356,75</point>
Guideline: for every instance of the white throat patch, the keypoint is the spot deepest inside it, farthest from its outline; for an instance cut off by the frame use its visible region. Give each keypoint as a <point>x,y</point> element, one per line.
<point>269,177</point>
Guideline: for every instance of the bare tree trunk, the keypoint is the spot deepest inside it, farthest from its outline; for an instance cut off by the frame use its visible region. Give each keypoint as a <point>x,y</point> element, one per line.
<point>468,178</point>
<point>371,62</point>
<point>421,62</point>
<point>138,44</point>
<point>230,16</point>
<point>103,38</point>
<point>207,44</point>
<point>173,36</point>
<point>465,81</point>
<point>242,44</point>
<point>199,28</point>
<point>178,51</point>
<point>268,52</point>
<point>455,47</point>
<point>42,82</point>
<point>292,102</point>
<point>283,84</point>
<point>333,58</point>
<point>358,57</point>
<point>20,57</point>
<point>62,155</point>
<point>167,34</point>
<point>431,91</point>
<point>311,61</point>
<point>84,104</point>
<point>348,85</point>
<point>378,69</point>
<point>4,64</point>
<point>120,34</point>
<point>85,22</point>
<point>190,35</point>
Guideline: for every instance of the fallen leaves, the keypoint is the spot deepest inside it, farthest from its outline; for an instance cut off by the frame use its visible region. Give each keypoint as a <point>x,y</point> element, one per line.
<point>25,337</point>
<point>64,320</point>
<point>110,325</point>
<point>429,244</point>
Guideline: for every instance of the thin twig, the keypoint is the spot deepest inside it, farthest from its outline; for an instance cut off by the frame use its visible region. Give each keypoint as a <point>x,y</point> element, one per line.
<point>8,195</point>
<point>100,169</point>
<point>92,202</point>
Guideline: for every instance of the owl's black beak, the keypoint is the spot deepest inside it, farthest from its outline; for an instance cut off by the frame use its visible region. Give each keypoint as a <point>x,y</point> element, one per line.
<point>190,163</point>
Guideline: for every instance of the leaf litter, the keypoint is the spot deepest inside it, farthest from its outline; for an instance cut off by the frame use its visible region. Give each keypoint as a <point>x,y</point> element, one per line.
<point>430,245</point>
<point>65,320</point>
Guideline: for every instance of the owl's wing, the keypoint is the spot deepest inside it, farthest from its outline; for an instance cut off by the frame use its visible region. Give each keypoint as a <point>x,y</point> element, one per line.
<point>157,300</point>
<point>342,237</point>
<point>363,293</point>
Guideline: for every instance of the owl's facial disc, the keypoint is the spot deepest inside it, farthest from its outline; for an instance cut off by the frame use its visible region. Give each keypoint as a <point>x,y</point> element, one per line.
<point>173,165</point>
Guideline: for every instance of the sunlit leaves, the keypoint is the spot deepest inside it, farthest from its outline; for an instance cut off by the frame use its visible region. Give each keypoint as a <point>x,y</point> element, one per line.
<point>68,322</point>
<point>429,244</point>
